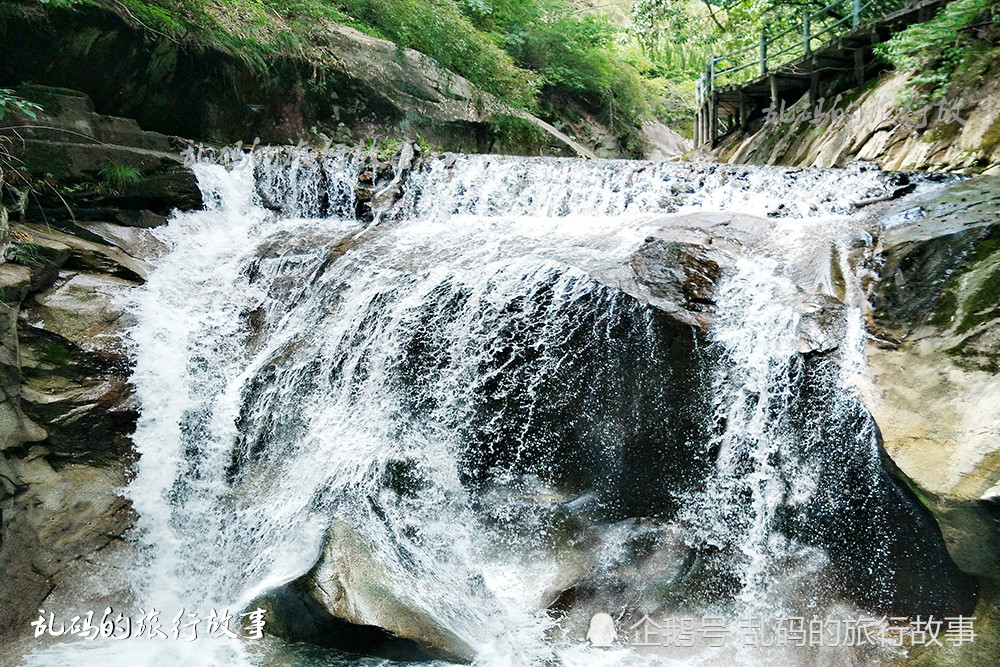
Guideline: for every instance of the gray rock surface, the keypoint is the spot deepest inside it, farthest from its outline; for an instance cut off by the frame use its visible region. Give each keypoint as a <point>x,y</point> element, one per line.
<point>351,585</point>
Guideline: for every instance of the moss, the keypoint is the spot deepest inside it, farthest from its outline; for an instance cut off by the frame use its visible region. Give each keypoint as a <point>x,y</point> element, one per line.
<point>982,304</point>
<point>55,354</point>
<point>974,298</point>
<point>972,360</point>
<point>947,307</point>
<point>816,131</point>
<point>987,248</point>
<point>991,137</point>
<point>942,132</point>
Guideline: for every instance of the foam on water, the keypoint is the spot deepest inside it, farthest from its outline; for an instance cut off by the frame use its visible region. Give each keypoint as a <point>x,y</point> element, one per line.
<point>269,363</point>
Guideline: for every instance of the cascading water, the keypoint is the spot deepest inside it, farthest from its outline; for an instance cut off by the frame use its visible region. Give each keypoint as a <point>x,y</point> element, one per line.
<point>469,396</point>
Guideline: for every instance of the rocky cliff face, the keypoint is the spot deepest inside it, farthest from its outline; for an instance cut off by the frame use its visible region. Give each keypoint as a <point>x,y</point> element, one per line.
<point>932,384</point>
<point>934,358</point>
<point>71,257</point>
<point>960,135</point>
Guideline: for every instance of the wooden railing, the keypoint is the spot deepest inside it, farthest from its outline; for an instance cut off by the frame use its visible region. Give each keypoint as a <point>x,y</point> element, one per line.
<point>772,51</point>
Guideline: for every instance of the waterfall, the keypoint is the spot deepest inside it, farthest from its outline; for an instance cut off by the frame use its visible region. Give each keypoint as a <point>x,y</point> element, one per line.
<point>468,388</point>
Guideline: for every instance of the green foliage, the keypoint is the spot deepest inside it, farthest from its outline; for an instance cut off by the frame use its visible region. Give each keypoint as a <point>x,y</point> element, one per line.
<point>439,29</point>
<point>384,149</point>
<point>11,102</point>
<point>116,178</point>
<point>575,53</point>
<point>514,49</point>
<point>953,49</point>
<point>54,354</point>
<point>511,130</point>
<point>24,253</point>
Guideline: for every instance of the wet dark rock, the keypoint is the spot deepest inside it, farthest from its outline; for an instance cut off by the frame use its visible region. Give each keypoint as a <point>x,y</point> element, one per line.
<point>296,617</point>
<point>884,544</point>
<point>682,273</point>
<point>821,325</point>
<point>88,256</point>
<point>15,427</point>
<point>619,358</point>
<point>134,240</point>
<point>43,258</point>
<point>15,282</point>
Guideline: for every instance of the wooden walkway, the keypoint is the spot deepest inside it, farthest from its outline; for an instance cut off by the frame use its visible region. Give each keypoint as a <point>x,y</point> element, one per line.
<point>845,60</point>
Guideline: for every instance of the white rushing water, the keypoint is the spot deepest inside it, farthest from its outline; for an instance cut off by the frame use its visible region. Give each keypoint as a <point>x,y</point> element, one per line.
<point>297,369</point>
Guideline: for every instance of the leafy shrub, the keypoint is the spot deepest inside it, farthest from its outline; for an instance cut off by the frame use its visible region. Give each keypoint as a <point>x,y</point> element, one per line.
<point>573,51</point>
<point>955,47</point>
<point>439,29</point>
<point>11,102</point>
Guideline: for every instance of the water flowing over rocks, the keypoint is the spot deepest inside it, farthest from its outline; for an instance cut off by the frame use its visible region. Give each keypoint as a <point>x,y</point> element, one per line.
<point>456,406</point>
<point>547,436</point>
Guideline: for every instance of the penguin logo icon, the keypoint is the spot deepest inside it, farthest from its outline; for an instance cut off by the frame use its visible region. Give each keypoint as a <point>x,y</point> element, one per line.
<point>602,630</point>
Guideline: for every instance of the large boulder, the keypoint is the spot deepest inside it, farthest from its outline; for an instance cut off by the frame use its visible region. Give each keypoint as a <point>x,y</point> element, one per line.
<point>64,382</point>
<point>76,160</point>
<point>350,600</point>
<point>59,519</point>
<point>934,359</point>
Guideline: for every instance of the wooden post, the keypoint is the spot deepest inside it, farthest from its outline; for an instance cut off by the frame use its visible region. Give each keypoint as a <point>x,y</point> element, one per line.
<point>743,112</point>
<point>712,111</point>
<point>814,82</point>
<point>706,92</point>
<point>713,119</point>
<point>859,66</point>
<point>805,33</point>
<point>697,110</point>
<point>856,14</point>
<point>774,92</point>
<point>763,51</point>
